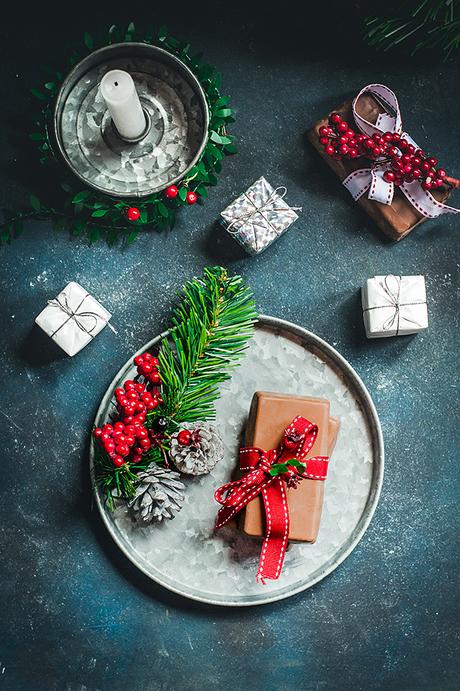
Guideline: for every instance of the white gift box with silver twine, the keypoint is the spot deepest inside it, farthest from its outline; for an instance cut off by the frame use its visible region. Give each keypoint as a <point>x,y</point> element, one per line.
<point>394,306</point>
<point>259,216</point>
<point>73,318</point>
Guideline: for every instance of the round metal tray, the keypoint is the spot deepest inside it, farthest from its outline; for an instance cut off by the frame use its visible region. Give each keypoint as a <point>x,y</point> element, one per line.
<point>185,556</point>
<point>176,109</point>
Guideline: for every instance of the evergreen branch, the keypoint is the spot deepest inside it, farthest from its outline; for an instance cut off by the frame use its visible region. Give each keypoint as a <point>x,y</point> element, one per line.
<point>424,24</point>
<point>211,327</point>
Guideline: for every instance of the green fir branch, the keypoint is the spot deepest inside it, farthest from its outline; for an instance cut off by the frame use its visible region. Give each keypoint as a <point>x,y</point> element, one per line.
<point>211,327</point>
<point>422,24</point>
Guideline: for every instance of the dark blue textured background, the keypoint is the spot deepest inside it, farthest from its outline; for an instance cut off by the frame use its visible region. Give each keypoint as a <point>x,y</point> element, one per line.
<point>75,614</point>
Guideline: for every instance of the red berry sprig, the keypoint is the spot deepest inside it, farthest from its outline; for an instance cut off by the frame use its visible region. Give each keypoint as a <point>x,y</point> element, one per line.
<point>405,162</point>
<point>126,440</point>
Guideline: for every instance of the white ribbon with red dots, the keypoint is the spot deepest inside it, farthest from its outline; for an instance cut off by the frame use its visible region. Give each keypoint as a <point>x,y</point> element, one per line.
<point>358,182</point>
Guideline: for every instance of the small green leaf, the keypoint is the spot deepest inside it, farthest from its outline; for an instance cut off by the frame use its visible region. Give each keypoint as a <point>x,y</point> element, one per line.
<point>132,236</point>
<point>163,210</point>
<point>143,218</point>
<point>38,94</point>
<point>230,149</point>
<point>131,28</point>
<point>202,191</point>
<point>50,86</point>
<point>222,101</point>
<point>183,193</point>
<point>78,227</point>
<point>223,112</point>
<point>162,33</point>
<point>80,197</point>
<point>215,137</point>
<point>99,213</point>
<point>88,39</point>
<point>18,227</point>
<point>94,235</point>
<point>35,202</point>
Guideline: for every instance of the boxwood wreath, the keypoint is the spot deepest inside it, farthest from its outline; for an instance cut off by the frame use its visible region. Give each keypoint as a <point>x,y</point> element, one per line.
<point>176,384</point>
<point>88,212</point>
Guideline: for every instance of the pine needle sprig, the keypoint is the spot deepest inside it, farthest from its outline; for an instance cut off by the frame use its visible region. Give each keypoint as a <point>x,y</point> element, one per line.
<point>116,483</point>
<point>211,327</point>
<point>422,24</point>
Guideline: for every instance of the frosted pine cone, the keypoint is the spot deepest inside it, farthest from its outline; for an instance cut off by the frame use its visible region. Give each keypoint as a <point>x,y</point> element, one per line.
<point>195,449</point>
<point>159,495</point>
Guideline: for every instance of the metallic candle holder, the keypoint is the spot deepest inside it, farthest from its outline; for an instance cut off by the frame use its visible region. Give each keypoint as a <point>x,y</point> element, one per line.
<point>177,120</point>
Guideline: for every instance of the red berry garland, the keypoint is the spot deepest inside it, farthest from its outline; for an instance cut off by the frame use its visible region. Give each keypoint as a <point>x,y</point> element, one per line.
<point>127,439</point>
<point>405,162</point>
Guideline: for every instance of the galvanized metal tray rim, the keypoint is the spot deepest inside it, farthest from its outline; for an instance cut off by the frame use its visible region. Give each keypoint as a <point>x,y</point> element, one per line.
<point>308,339</point>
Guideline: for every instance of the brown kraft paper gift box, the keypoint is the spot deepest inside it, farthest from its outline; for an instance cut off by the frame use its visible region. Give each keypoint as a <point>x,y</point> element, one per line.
<point>397,220</point>
<point>269,415</point>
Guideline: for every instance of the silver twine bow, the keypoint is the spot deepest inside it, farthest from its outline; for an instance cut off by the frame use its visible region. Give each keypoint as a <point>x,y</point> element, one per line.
<point>63,304</point>
<point>278,193</point>
<point>394,297</point>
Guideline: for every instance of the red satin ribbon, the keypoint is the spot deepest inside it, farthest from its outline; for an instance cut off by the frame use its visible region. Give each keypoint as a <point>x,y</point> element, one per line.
<point>297,442</point>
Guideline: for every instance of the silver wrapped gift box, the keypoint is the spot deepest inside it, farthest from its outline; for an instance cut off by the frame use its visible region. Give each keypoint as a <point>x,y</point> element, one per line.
<point>73,318</point>
<point>259,216</point>
<point>394,306</point>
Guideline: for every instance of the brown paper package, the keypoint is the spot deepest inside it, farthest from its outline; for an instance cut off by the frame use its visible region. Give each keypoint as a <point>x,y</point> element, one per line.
<point>397,220</point>
<point>269,415</point>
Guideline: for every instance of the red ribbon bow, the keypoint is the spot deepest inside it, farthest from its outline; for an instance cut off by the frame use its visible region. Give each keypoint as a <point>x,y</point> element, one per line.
<point>298,439</point>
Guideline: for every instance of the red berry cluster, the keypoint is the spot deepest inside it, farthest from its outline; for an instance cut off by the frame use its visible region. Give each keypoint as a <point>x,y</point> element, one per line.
<point>147,367</point>
<point>134,398</point>
<point>406,162</point>
<point>122,440</point>
<point>127,439</point>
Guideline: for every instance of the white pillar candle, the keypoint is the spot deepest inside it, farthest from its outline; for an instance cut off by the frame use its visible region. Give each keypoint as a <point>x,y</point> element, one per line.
<point>118,90</point>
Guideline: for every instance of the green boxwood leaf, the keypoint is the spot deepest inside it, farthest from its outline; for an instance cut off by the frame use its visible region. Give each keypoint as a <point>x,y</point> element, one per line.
<point>38,94</point>
<point>80,197</point>
<point>183,193</point>
<point>35,202</point>
<point>230,149</point>
<point>223,112</point>
<point>163,210</point>
<point>162,33</point>
<point>99,213</point>
<point>202,191</point>
<point>131,28</point>
<point>215,137</point>
<point>88,39</point>
<point>50,86</point>
<point>94,235</point>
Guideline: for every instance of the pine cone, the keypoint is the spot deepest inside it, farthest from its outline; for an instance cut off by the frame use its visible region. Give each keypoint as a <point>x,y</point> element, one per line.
<point>159,494</point>
<point>200,455</point>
